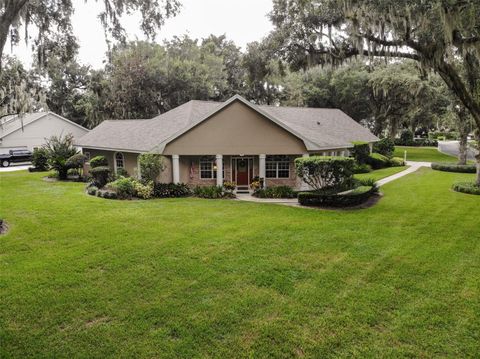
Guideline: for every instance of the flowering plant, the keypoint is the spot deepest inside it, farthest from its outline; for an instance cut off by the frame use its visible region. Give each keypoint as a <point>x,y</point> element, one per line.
<point>229,186</point>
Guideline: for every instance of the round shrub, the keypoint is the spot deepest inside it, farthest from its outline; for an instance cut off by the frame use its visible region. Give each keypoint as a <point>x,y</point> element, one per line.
<point>92,190</point>
<point>98,161</point>
<point>100,175</point>
<point>40,159</point>
<point>385,147</point>
<point>396,162</point>
<point>377,161</point>
<point>362,168</point>
<point>467,187</point>
<point>453,167</point>
<point>124,187</point>
<point>76,161</point>
<point>360,151</point>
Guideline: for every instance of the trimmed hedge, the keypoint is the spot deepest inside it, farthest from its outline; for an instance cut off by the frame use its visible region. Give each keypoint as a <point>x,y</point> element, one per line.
<point>385,147</point>
<point>360,151</point>
<point>321,172</point>
<point>98,161</point>
<point>453,167</point>
<point>377,161</point>
<point>100,175</point>
<point>424,142</point>
<point>275,192</point>
<point>353,198</point>
<point>467,187</point>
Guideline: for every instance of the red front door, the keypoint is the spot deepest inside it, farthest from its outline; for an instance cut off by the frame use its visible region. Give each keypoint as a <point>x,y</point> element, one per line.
<point>242,172</point>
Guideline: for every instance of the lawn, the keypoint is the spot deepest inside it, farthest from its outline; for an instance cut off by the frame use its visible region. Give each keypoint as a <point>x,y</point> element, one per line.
<point>423,154</point>
<point>381,173</point>
<point>87,277</point>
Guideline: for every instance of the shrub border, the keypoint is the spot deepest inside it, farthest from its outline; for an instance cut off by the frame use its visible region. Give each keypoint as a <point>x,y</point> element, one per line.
<point>467,188</point>
<point>337,200</point>
<point>453,167</point>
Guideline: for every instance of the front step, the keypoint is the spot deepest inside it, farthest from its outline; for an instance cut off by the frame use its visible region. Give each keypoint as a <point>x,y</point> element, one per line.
<point>243,189</point>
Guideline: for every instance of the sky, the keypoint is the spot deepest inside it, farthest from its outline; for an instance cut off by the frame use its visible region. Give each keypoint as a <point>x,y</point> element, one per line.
<point>243,21</point>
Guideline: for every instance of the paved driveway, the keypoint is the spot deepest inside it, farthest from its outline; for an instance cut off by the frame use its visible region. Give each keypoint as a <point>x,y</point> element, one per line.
<point>15,167</point>
<point>452,148</point>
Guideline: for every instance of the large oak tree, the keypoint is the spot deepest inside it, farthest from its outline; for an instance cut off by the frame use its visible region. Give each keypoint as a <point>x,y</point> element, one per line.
<point>442,35</point>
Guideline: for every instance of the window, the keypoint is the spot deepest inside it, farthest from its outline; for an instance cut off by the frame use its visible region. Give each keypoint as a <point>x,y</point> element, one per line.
<point>119,161</point>
<point>208,167</point>
<point>277,167</point>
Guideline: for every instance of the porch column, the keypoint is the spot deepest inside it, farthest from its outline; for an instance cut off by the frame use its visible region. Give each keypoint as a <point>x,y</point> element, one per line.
<point>303,185</point>
<point>261,168</point>
<point>176,168</point>
<point>219,170</point>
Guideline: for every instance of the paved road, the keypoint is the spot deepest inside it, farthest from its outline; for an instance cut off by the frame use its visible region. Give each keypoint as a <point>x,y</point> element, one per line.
<point>15,167</point>
<point>452,148</point>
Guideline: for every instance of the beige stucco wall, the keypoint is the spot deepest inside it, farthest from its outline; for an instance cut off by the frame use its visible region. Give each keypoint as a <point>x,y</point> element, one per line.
<point>235,130</point>
<point>34,133</point>
<point>131,163</point>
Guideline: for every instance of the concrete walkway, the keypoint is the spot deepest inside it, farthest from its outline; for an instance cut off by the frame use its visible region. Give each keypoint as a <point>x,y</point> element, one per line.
<point>15,167</point>
<point>414,166</point>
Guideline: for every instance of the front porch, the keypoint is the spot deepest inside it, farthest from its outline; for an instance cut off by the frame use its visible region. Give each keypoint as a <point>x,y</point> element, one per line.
<point>242,170</point>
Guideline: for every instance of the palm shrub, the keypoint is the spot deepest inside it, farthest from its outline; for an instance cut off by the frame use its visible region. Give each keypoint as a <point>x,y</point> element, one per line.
<point>323,172</point>
<point>360,151</point>
<point>151,165</point>
<point>59,149</point>
<point>40,159</point>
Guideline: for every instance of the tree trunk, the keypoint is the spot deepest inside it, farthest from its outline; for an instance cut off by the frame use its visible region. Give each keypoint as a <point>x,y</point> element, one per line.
<point>477,181</point>
<point>463,148</point>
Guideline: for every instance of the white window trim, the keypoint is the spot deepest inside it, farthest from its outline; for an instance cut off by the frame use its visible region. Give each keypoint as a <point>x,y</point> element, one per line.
<point>213,171</point>
<point>276,169</point>
<point>115,167</point>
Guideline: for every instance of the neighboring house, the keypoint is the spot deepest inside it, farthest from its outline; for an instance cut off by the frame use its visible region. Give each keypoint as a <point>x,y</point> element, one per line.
<point>207,143</point>
<point>29,130</point>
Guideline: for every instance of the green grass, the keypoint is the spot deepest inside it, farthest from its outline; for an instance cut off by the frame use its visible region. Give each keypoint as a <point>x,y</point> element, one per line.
<point>86,277</point>
<point>381,173</point>
<point>423,154</point>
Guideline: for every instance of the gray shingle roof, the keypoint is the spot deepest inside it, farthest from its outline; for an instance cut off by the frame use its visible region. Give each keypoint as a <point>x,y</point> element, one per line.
<point>320,128</point>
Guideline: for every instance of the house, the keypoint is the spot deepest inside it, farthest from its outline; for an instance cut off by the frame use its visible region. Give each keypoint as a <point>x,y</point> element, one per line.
<point>29,130</point>
<point>207,143</point>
